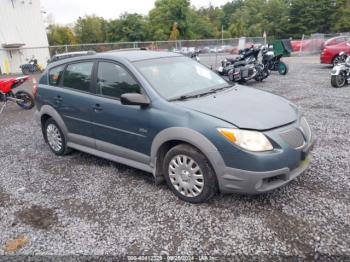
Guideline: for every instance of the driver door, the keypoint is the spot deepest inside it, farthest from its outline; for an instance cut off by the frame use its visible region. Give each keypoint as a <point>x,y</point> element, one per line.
<point>119,129</point>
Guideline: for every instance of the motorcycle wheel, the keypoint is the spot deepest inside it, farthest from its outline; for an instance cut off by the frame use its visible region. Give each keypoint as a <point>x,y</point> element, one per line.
<point>338,81</point>
<point>28,100</point>
<point>282,68</point>
<point>338,60</point>
<point>25,71</point>
<point>259,78</point>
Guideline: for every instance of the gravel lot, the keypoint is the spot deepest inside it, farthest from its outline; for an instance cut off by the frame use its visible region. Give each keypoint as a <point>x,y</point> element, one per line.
<point>80,204</point>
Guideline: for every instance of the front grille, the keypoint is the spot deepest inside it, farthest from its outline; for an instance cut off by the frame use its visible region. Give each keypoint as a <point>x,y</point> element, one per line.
<point>293,137</point>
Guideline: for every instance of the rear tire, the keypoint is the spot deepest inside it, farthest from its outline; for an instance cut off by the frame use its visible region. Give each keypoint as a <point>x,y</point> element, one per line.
<point>28,100</point>
<point>282,68</point>
<point>338,81</point>
<point>55,138</point>
<point>189,174</point>
<point>25,71</point>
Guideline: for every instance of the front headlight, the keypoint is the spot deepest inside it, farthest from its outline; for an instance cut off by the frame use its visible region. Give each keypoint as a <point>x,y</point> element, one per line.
<point>249,140</point>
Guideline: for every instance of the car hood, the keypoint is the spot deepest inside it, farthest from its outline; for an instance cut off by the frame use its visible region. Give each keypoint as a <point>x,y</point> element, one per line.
<point>246,108</point>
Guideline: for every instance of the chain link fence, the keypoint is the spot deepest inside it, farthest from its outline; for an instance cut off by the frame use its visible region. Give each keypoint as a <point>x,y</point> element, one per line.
<point>314,44</point>
<point>211,51</point>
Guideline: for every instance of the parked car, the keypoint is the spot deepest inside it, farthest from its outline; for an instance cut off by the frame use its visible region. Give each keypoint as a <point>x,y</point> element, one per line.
<point>336,40</point>
<point>308,45</point>
<point>330,54</point>
<point>166,114</point>
<point>69,55</point>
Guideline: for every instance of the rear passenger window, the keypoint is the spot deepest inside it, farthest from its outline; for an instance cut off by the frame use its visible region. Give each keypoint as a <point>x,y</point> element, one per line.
<point>43,79</point>
<point>113,80</point>
<point>55,75</point>
<point>78,76</point>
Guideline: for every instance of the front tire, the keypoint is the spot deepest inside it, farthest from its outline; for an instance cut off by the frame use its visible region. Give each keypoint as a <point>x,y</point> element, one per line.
<point>337,60</point>
<point>189,174</point>
<point>338,81</point>
<point>55,138</point>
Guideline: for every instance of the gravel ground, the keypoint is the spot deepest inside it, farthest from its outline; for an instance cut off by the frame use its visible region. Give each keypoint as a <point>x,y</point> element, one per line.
<point>80,204</point>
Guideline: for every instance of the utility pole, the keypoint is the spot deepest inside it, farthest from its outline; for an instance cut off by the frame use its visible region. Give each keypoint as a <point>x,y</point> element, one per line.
<point>222,35</point>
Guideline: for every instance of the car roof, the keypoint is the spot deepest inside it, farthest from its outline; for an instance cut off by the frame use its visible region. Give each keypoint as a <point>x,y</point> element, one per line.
<point>139,55</point>
<point>72,53</point>
<point>131,56</point>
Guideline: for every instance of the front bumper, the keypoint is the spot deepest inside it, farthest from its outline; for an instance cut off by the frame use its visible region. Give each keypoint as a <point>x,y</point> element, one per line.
<point>326,58</point>
<point>235,180</point>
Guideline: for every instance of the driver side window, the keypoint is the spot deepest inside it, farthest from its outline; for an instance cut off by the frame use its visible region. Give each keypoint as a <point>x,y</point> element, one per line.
<point>113,80</point>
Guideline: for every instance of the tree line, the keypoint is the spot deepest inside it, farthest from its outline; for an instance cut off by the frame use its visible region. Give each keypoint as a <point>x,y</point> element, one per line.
<point>177,19</point>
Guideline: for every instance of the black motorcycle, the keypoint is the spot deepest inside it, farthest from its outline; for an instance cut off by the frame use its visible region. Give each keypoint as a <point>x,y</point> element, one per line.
<point>31,67</point>
<point>195,56</point>
<point>245,67</point>
<point>273,62</point>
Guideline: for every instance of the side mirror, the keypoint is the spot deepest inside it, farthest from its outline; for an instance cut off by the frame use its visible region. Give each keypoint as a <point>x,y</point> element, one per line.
<point>134,99</point>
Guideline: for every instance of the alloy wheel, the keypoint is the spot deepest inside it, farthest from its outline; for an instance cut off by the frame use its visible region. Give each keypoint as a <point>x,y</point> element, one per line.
<point>54,137</point>
<point>186,176</point>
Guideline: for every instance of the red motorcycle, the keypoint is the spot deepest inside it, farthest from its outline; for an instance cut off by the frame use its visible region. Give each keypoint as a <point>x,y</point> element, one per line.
<point>24,99</point>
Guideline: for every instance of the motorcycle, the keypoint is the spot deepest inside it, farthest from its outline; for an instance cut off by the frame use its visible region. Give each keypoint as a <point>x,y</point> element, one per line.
<point>194,56</point>
<point>31,67</point>
<point>274,63</point>
<point>245,67</point>
<point>340,74</point>
<point>340,59</point>
<point>22,98</point>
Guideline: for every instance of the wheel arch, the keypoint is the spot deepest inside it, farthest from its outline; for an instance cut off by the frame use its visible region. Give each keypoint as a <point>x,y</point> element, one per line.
<point>47,112</point>
<point>334,57</point>
<point>171,137</point>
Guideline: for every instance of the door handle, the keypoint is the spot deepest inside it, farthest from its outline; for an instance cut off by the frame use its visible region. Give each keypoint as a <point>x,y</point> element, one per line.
<point>97,108</point>
<point>58,99</point>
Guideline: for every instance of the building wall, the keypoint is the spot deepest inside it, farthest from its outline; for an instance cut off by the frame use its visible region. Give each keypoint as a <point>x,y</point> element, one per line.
<point>21,21</point>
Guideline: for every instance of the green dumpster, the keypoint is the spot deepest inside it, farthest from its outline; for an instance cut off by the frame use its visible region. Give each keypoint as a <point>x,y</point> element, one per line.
<point>282,47</point>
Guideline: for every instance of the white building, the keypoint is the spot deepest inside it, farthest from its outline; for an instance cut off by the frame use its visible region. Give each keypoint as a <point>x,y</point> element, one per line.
<point>22,32</point>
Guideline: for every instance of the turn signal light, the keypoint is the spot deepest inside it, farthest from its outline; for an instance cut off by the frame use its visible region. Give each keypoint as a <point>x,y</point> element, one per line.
<point>228,134</point>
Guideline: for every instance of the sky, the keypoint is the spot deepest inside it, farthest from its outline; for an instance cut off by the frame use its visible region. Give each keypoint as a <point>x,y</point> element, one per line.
<point>67,11</point>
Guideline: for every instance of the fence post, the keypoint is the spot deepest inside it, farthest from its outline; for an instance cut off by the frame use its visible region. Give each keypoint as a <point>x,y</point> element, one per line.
<point>301,45</point>
<point>66,47</point>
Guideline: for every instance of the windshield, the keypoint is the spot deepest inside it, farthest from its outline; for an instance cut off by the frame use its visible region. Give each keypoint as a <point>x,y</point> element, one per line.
<point>174,77</point>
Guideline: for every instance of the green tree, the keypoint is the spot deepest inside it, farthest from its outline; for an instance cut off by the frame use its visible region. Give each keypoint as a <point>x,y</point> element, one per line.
<point>341,16</point>
<point>312,16</point>
<point>249,20</point>
<point>91,29</point>
<point>165,14</point>
<point>129,27</point>
<point>60,35</point>
<point>200,26</point>
<point>276,17</point>
<point>228,10</point>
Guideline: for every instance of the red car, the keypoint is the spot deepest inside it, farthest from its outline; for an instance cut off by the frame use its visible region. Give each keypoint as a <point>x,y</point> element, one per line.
<point>308,45</point>
<point>336,40</point>
<point>330,54</point>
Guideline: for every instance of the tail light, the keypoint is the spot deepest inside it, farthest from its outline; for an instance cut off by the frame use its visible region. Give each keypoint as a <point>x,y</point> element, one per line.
<point>35,87</point>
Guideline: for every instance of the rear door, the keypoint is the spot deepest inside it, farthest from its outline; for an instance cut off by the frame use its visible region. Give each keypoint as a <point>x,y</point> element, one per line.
<point>119,129</point>
<point>73,101</point>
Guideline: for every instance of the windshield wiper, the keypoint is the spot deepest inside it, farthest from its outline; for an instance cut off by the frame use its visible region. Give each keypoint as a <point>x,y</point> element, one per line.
<point>183,97</point>
<point>215,90</point>
<point>211,91</point>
